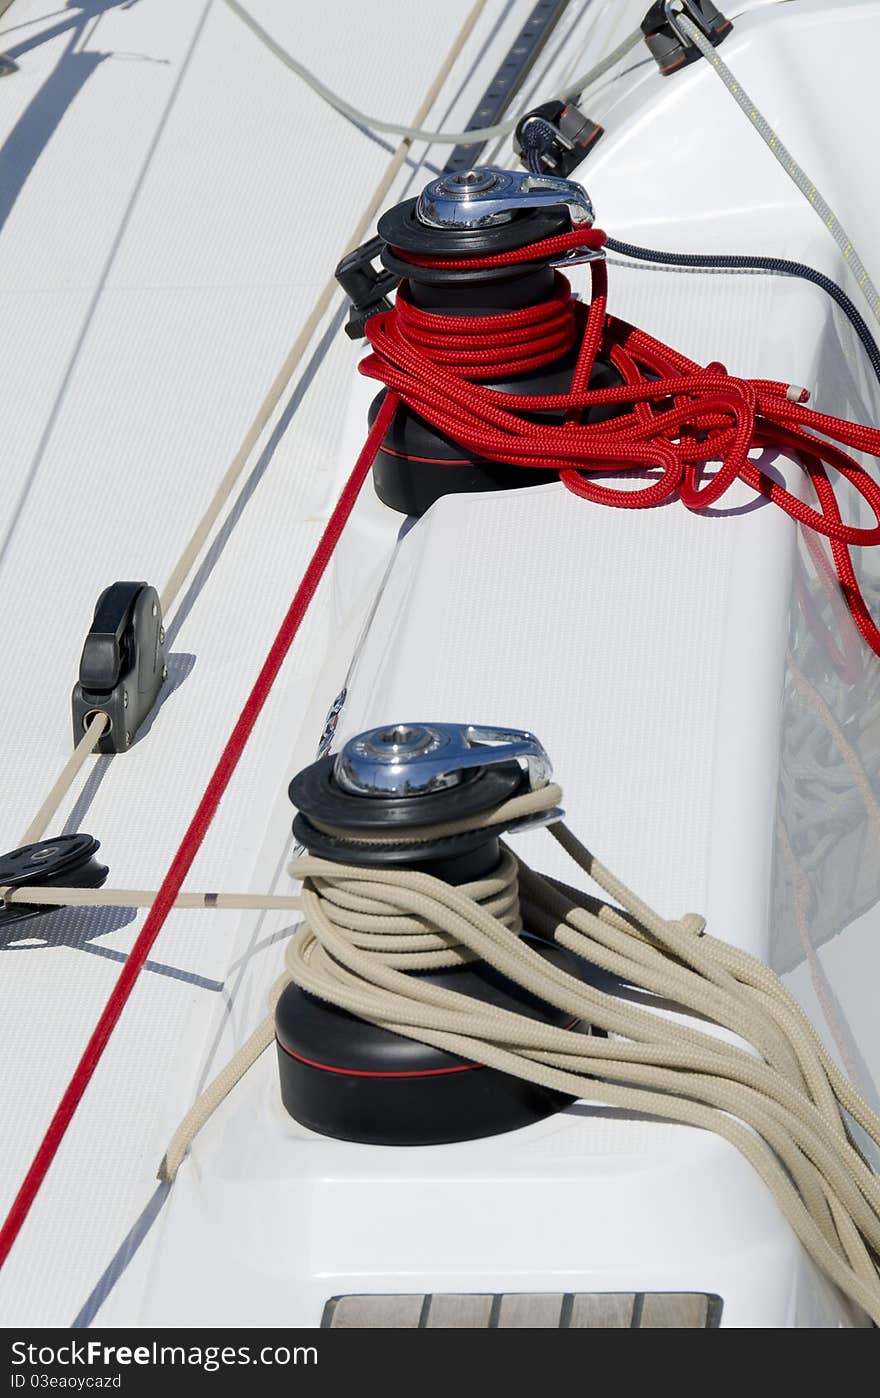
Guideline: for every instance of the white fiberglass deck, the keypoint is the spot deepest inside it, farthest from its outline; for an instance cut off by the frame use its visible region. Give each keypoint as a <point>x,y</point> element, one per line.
<point>175,201</point>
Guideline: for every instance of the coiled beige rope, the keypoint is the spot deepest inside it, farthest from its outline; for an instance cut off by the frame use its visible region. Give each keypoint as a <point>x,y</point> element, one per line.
<point>776,1095</point>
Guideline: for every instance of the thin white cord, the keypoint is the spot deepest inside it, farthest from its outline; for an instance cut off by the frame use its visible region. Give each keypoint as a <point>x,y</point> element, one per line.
<point>795,172</point>
<point>477,136</point>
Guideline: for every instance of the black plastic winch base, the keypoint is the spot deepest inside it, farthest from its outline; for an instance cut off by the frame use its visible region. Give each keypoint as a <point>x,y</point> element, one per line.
<point>416,464</point>
<point>422,1111</point>
<point>352,1080</point>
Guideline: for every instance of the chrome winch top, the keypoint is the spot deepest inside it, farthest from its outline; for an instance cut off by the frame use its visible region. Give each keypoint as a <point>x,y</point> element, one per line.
<point>413,759</point>
<point>488,195</point>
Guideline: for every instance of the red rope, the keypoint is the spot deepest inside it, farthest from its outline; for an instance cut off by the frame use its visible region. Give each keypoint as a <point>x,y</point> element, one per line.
<point>592,238</point>
<point>195,834</point>
<point>521,340</point>
<point>675,417</point>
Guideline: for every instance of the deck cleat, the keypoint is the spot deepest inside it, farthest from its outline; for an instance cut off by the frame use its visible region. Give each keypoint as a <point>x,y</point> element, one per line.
<point>670,46</point>
<point>556,134</point>
<point>122,668</point>
<point>67,861</point>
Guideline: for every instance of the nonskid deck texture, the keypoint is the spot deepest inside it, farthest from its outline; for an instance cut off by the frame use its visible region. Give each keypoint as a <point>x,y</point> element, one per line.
<point>153,272</point>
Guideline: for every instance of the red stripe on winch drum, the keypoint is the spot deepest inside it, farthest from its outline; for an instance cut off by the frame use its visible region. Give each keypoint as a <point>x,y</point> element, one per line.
<point>428,460</point>
<point>410,1073</point>
<point>368,1073</point>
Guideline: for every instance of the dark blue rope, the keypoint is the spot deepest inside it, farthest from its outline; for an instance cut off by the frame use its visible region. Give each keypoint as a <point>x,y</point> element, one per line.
<point>778,265</point>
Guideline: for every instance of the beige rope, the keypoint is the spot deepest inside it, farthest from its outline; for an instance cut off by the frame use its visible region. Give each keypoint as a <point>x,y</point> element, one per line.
<point>65,779</point>
<point>69,897</point>
<point>294,357</point>
<point>408,939</point>
<point>776,1095</point>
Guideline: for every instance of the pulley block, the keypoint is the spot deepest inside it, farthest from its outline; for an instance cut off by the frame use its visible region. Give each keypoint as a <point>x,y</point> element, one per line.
<point>67,861</point>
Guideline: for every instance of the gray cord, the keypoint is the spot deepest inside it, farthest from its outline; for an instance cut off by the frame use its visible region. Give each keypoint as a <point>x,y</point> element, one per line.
<point>417,133</point>
<point>783,155</point>
<point>689,271</point>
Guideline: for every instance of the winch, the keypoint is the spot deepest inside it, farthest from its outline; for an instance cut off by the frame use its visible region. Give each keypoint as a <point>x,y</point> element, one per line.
<point>467,297</point>
<point>392,799</point>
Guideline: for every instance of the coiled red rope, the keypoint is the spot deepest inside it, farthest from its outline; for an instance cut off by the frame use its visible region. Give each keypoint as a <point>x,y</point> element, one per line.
<point>675,416</point>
